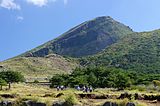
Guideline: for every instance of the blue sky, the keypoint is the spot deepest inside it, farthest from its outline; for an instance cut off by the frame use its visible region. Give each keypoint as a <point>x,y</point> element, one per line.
<point>25,24</point>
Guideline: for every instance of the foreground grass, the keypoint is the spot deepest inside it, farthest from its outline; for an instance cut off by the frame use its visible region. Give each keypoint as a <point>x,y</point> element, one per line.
<point>46,95</point>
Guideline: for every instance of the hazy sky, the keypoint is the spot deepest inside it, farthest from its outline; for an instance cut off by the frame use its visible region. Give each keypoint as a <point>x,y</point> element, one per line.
<point>25,24</point>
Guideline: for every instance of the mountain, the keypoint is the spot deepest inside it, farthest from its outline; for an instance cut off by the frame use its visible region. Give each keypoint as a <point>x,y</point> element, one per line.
<point>85,39</point>
<point>99,42</point>
<point>138,51</point>
<point>88,38</point>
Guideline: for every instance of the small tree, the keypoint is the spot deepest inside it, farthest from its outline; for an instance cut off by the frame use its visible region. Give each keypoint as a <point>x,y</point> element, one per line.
<point>11,77</point>
<point>56,80</point>
<point>2,83</point>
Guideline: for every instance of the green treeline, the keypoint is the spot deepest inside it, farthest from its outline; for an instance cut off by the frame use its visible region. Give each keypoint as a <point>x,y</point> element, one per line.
<point>100,77</point>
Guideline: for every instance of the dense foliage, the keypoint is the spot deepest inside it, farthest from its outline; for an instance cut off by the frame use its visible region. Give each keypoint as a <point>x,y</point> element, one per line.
<point>8,77</point>
<point>139,52</point>
<point>11,76</point>
<point>2,83</point>
<point>103,77</point>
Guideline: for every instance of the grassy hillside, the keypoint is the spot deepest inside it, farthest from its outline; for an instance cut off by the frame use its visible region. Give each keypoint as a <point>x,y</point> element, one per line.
<point>85,39</point>
<point>138,51</point>
<point>40,66</point>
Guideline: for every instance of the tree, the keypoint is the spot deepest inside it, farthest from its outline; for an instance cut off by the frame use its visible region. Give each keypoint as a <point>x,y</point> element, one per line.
<point>122,81</point>
<point>92,79</point>
<point>56,80</point>
<point>11,77</point>
<point>2,83</point>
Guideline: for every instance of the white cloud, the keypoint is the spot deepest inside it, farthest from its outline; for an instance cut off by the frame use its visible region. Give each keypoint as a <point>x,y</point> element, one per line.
<point>42,3</point>
<point>9,4</point>
<point>39,3</point>
<point>20,18</point>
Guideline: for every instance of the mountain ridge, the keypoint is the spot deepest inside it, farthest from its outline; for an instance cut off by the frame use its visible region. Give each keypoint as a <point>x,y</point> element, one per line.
<point>94,35</point>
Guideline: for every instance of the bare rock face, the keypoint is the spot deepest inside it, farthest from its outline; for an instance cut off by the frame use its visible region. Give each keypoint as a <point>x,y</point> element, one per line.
<point>85,39</point>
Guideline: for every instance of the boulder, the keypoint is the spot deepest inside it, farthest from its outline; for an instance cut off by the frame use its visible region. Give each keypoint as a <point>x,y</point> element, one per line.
<point>6,103</point>
<point>125,95</point>
<point>8,95</point>
<point>58,103</point>
<point>110,104</point>
<point>33,103</point>
<point>130,104</point>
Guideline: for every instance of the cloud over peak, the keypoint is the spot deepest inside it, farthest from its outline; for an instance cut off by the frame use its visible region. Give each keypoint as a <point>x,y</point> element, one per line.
<point>9,4</point>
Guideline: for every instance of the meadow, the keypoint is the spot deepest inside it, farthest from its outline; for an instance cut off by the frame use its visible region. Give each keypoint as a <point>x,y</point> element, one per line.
<point>21,92</point>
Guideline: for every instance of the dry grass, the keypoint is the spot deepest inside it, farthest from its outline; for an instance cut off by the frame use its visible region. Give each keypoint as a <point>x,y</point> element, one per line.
<point>47,95</point>
<point>39,67</point>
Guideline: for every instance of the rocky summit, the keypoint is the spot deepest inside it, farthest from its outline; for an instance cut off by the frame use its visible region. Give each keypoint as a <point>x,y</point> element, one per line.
<point>85,39</point>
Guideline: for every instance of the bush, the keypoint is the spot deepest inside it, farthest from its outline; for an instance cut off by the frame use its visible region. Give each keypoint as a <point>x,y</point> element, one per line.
<point>71,100</point>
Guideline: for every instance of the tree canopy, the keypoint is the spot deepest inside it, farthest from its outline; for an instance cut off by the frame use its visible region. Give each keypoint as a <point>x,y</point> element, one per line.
<point>103,77</point>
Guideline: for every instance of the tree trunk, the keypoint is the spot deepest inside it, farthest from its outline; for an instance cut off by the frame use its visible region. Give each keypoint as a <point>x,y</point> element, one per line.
<point>9,86</point>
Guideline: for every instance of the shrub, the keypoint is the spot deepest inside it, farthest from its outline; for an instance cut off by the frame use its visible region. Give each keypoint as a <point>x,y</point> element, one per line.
<point>71,100</point>
<point>123,102</point>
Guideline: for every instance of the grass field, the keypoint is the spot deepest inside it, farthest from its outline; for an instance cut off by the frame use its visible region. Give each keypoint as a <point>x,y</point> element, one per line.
<point>47,95</point>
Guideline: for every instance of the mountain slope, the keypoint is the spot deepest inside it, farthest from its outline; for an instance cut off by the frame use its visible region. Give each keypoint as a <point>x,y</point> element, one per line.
<point>41,67</point>
<point>85,39</point>
<point>137,51</point>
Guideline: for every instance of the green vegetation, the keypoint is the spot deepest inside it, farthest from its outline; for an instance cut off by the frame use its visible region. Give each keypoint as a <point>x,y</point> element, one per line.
<point>8,77</point>
<point>138,51</point>
<point>11,76</point>
<point>100,77</point>
<point>71,100</point>
<point>2,83</point>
